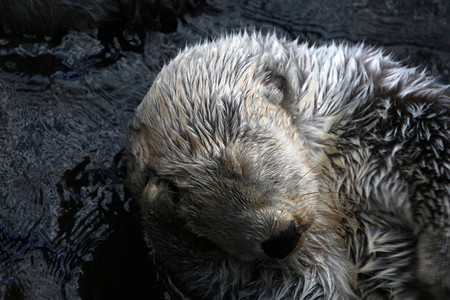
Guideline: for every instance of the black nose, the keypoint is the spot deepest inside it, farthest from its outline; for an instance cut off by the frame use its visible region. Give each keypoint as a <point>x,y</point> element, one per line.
<point>281,245</point>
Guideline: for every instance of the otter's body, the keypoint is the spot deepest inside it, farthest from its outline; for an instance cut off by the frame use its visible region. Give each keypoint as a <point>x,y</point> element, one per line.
<point>275,170</point>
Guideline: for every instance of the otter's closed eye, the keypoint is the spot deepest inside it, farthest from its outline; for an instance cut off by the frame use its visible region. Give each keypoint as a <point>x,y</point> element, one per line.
<point>173,192</point>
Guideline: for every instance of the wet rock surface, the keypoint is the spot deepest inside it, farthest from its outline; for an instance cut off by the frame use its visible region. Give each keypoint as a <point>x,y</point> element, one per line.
<point>68,229</point>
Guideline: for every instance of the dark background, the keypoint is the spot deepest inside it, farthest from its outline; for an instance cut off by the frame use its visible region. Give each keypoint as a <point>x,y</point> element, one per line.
<point>68,86</point>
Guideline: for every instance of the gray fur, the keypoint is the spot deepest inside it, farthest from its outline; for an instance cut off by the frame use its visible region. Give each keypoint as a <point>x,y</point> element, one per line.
<point>353,146</point>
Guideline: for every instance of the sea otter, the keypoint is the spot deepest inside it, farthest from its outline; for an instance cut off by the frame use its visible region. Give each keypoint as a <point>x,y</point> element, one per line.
<point>272,169</point>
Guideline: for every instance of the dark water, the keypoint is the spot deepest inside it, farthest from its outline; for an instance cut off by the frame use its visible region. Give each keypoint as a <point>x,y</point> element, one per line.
<point>68,230</point>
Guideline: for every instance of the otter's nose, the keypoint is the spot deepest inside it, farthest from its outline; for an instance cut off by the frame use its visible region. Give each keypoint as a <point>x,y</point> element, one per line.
<point>281,245</point>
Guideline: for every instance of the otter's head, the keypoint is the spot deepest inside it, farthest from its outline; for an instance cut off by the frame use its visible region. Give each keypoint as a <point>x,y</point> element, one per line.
<point>213,127</point>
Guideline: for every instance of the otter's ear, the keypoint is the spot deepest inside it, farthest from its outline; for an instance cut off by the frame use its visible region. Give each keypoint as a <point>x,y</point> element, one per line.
<point>276,87</point>
<point>278,81</point>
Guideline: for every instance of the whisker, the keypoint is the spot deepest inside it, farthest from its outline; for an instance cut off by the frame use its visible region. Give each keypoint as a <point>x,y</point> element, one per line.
<point>320,163</point>
<point>349,196</point>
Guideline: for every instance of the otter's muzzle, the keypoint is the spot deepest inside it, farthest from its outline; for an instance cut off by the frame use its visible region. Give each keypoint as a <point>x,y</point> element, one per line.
<point>284,243</point>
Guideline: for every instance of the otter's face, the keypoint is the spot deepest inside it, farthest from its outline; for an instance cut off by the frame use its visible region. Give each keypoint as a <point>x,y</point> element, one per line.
<point>249,201</point>
<point>214,126</point>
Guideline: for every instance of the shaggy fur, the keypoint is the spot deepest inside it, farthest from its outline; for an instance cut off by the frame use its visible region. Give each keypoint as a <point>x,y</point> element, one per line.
<point>242,136</point>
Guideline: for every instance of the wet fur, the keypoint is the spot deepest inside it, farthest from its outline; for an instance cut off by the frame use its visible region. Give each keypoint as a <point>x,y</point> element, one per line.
<point>352,145</point>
